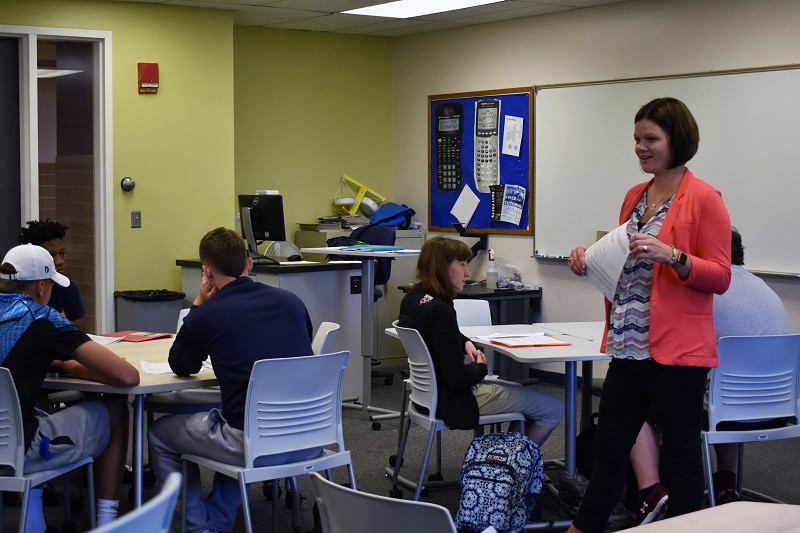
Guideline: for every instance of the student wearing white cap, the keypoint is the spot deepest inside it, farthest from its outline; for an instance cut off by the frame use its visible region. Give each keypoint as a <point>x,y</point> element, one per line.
<point>35,337</point>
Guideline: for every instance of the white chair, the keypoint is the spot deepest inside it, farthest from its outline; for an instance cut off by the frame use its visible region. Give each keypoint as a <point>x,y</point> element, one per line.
<point>12,454</point>
<point>201,400</point>
<point>421,411</point>
<point>324,337</point>
<point>473,312</point>
<point>756,382</point>
<point>346,510</point>
<point>155,516</point>
<point>293,403</point>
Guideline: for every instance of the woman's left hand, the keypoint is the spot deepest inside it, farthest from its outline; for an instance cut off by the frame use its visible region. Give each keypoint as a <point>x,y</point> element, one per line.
<point>644,246</point>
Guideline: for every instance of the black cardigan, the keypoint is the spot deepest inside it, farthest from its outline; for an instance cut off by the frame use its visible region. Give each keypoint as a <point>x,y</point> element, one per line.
<point>435,319</point>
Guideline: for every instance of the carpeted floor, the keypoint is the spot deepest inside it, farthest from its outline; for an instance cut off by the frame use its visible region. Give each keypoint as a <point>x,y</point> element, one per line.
<point>771,468</point>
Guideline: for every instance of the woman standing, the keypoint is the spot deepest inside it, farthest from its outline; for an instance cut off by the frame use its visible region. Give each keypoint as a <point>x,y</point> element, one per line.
<point>463,395</point>
<point>659,328</point>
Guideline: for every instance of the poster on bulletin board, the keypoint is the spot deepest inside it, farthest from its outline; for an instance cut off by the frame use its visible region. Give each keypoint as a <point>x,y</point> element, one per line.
<point>479,163</point>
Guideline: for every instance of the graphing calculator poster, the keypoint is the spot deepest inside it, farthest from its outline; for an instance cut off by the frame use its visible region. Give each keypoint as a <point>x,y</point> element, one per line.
<point>480,151</point>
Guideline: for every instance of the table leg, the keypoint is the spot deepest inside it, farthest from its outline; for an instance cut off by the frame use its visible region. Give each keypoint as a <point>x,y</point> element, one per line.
<point>586,394</point>
<point>138,448</point>
<point>570,431</point>
<point>367,336</point>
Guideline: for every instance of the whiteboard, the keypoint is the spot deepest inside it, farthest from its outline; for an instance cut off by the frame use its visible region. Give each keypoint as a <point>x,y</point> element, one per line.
<point>749,124</point>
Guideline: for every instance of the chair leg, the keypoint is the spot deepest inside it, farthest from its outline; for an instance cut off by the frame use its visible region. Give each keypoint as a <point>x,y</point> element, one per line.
<point>401,448</point>
<point>740,470</point>
<point>182,505</point>
<point>246,506</point>
<point>431,436</point>
<point>709,473</point>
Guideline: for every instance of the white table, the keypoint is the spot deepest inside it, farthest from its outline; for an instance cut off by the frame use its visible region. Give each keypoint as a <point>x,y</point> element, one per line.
<point>591,331</point>
<point>155,351</point>
<point>580,350</point>
<point>367,315</point>
<point>732,517</point>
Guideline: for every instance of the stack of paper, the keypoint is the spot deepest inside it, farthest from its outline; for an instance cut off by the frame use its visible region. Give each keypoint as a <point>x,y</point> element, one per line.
<point>524,340</point>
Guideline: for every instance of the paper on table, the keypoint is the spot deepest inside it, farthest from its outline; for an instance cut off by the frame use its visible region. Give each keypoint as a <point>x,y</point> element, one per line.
<point>100,339</point>
<point>530,340</point>
<point>164,368</point>
<point>155,368</point>
<point>605,259</point>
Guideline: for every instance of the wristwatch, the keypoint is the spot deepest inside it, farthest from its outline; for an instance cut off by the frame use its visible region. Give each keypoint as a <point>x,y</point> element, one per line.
<point>682,258</point>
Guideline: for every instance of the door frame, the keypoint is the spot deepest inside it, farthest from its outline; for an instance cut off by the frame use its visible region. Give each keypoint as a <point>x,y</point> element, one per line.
<point>103,148</point>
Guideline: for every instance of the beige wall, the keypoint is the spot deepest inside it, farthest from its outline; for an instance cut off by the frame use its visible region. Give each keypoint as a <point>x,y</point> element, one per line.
<point>627,40</point>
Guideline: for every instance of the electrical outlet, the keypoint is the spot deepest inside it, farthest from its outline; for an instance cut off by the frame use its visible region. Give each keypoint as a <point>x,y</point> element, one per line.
<point>136,219</point>
<point>355,284</point>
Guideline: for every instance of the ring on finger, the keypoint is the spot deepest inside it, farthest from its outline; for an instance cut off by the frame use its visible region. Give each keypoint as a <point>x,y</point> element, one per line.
<point>645,248</point>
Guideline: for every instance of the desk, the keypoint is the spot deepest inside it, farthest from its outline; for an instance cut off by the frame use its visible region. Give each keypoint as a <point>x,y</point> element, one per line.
<point>732,517</point>
<point>155,351</point>
<point>367,313</point>
<point>583,350</point>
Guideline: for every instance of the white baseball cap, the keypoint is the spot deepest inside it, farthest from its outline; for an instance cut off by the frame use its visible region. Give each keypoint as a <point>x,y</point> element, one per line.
<point>33,263</point>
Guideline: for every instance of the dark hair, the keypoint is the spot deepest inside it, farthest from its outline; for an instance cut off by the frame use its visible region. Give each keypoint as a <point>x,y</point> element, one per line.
<point>223,250</point>
<point>38,232</point>
<point>672,116</point>
<point>737,248</point>
<point>433,265</point>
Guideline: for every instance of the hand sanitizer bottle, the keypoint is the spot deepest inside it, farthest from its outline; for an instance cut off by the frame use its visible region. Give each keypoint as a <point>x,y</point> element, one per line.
<point>491,272</point>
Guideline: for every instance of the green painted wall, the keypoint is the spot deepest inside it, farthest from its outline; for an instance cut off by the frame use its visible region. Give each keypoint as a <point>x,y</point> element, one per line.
<point>310,107</point>
<point>239,109</point>
<point>177,144</point>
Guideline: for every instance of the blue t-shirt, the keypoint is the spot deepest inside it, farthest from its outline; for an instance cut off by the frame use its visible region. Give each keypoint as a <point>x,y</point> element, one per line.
<point>31,337</point>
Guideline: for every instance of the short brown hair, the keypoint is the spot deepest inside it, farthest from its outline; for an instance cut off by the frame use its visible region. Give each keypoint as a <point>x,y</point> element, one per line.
<point>672,116</point>
<point>223,250</point>
<point>433,265</point>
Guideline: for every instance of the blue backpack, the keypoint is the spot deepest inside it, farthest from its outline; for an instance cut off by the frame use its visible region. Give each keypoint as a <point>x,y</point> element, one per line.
<point>392,214</point>
<point>501,483</point>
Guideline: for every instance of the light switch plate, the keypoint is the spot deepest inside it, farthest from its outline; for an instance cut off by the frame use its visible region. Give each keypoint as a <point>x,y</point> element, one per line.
<point>136,219</point>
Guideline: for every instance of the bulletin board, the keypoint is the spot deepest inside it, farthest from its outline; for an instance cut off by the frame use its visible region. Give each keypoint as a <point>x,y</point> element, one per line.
<point>479,162</point>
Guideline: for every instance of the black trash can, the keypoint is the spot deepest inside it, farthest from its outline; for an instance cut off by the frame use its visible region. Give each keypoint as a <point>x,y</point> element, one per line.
<point>153,310</point>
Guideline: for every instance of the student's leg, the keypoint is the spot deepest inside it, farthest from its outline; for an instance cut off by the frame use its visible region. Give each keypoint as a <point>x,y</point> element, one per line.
<point>170,436</point>
<point>644,456</point>
<point>110,464</point>
<point>727,457</point>
<point>542,412</point>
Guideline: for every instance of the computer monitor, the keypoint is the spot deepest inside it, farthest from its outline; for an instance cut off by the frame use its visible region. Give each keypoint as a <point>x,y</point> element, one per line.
<point>262,220</point>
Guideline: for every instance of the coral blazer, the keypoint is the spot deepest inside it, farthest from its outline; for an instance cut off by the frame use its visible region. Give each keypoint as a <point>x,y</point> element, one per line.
<point>681,311</point>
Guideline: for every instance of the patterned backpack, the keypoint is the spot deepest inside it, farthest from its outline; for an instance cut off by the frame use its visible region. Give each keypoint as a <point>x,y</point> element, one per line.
<point>501,482</point>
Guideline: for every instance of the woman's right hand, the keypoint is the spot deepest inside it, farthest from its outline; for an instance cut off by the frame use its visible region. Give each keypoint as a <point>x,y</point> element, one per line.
<point>577,261</point>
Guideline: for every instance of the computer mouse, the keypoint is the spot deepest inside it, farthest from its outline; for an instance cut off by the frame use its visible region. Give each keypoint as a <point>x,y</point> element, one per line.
<point>294,257</point>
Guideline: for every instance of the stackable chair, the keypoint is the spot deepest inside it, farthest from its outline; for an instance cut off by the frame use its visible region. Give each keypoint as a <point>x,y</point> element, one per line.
<point>293,403</point>
<point>347,510</point>
<point>155,516</point>
<point>756,383</point>
<point>421,411</point>
<point>475,313</point>
<point>12,455</point>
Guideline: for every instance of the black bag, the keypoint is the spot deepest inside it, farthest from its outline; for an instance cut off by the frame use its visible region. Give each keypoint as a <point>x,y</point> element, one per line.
<point>584,442</point>
<point>501,483</point>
